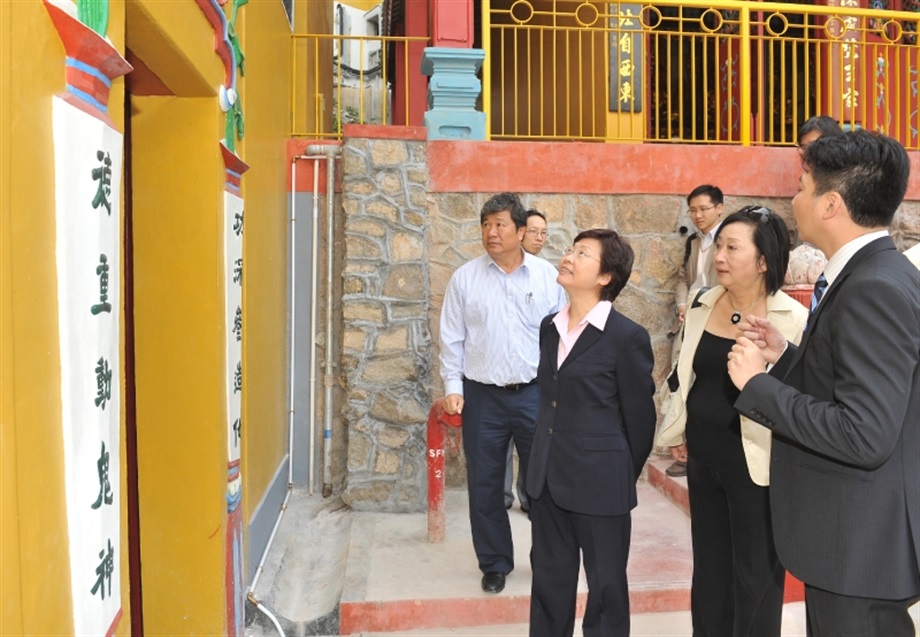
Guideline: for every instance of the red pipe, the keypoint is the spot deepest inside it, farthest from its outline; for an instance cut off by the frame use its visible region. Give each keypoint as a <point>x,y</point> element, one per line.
<point>438,421</point>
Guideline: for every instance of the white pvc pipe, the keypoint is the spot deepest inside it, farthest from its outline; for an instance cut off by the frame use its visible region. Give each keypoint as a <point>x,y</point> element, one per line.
<point>330,152</point>
<point>314,236</point>
<point>315,152</point>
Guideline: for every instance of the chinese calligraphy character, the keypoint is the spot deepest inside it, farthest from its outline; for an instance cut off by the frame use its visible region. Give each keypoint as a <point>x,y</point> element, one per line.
<point>104,571</point>
<point>626,68</point>
<point>105,489</point>
<point>103,175</point>
<point>103,271</point>
<point>238,223</point>
<point>238,378</point>
<point>238,324</point>
<point>628,19</point>
<point>103,383</point>
<point>625,43</point>
<point>237,429</point>
<point>851,98</point>
<point>625,92</point>
<point>238,271</point>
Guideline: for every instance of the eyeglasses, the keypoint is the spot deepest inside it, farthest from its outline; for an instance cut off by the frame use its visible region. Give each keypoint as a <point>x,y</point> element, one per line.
<point>693,211</point>
<point>580,253</point>
<point>537,233</point>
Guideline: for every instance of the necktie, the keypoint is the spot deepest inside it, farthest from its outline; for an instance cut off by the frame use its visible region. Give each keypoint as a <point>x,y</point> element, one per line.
<point>817,293</point>
<point>820,286</point>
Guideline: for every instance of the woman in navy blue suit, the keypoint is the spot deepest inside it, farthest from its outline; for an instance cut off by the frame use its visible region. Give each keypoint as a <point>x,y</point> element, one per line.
<point>593,435</point>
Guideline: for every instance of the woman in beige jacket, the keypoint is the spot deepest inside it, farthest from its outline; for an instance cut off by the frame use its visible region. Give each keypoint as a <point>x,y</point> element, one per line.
<point>737,586</point>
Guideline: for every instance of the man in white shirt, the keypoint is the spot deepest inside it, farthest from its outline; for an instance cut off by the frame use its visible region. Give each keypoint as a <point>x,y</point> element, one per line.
<point>844,406</point>
<point>534,239</point>
<point>490,323</point>
<point>696,271</point>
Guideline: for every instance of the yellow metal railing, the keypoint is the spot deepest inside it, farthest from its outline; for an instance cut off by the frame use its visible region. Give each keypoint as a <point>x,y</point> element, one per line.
<point>674,70</point>
<point>684,70</point>
<point>341,79</point>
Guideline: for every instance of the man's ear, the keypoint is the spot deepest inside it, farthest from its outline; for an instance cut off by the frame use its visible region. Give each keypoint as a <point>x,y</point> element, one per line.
<point>832,205</point>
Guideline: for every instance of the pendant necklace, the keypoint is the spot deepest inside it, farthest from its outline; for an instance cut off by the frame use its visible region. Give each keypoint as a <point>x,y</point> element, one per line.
<point>736,315</point>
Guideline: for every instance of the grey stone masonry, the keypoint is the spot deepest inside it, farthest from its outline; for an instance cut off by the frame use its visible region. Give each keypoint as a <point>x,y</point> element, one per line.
<point>402,243</point>
<point>386,343</point>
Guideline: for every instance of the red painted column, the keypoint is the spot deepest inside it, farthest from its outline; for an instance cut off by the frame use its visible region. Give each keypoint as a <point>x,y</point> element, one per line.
<point>452,23</point>
<point>416,25</point>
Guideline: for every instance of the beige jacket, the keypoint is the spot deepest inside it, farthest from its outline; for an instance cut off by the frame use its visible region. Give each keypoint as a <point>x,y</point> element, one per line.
<point>784,312</point>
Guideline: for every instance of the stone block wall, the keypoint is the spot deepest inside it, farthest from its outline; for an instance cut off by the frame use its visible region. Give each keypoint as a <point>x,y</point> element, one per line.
<point>402,243</point>
<point>386,342</point>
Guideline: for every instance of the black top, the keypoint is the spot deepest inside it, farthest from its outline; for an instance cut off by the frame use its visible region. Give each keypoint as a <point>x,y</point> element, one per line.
<point>713,424</point>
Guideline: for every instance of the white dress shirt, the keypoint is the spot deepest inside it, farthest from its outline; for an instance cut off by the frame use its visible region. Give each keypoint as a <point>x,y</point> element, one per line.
<point>702,258</point>
<point>490,321</point>
<point>840,259</point>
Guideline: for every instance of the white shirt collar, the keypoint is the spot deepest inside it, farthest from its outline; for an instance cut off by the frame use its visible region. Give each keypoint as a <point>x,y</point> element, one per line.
<point>707,238</point>
<point>840,259</point>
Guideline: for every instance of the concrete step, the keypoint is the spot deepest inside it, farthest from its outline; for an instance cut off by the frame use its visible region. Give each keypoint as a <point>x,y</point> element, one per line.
<point>397,581</point>
<point>675,490</point>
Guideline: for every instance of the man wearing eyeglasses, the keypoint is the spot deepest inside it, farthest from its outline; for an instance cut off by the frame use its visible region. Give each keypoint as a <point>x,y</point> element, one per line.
<point>696,270</point>
<point>490,324</point>
<point>535,235</point>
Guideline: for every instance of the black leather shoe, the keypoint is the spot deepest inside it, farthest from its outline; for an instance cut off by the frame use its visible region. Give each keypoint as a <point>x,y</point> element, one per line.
<point>493,582</point>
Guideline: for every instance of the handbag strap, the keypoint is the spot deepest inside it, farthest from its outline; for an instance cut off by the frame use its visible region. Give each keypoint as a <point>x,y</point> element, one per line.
<point>673,380</point>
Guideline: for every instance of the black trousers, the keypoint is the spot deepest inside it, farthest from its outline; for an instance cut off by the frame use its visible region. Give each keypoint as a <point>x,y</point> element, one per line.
<point>737,586</point>
<point>833,615</point>
<point>491,417</point>
<point>558,537</point>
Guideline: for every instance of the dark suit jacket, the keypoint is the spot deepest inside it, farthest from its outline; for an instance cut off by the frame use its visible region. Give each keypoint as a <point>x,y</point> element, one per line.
<point>844,408</point>
<point>596,419</point>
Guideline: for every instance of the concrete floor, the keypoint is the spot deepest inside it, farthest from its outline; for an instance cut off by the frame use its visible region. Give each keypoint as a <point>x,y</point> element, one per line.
<point>376,574</point>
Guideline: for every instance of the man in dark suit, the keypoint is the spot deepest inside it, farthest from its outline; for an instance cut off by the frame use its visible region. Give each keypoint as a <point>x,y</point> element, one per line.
<point>844,406</point>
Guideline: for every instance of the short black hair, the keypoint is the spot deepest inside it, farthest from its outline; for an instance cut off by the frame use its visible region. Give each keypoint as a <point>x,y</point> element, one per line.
<point>824,124</point>
<point>505,201</point>
<point>714,193</point>
<point>771,238</point>
<point>616,259</point>
<point>867,169</point>
<point>535,213</point>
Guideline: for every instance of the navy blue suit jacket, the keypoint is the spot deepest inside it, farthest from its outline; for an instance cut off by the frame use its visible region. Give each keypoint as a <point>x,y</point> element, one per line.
<point>596,419</point>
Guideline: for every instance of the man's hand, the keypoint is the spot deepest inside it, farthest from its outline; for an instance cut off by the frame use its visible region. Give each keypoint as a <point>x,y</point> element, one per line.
<point>453,404</point>
<point>679,452</point>
<point>745,361</point>
<point>764,335</point>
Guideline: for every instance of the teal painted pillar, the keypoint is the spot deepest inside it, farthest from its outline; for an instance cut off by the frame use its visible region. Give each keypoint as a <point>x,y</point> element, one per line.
<point>452,92</point>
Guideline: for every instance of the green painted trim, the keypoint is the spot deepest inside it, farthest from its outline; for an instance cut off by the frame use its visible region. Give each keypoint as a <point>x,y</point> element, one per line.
<point>94,14</point>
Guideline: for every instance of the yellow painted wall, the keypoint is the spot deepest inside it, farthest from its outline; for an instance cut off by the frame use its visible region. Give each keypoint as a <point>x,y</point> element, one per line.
<point>266,95</point>
<point>364,5</point>
<point>179,325</point>
<point>179,353</point>
<point>35,580</point>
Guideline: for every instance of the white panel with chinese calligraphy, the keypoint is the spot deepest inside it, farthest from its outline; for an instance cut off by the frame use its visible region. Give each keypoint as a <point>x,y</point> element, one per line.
<point>88,165</point>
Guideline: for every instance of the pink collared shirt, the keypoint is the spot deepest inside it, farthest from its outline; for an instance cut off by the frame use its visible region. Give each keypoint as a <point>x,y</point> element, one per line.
<point>596,317</point>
